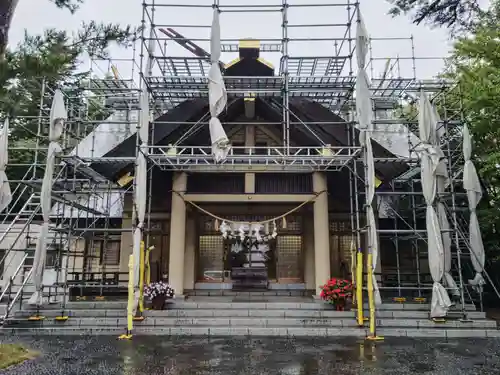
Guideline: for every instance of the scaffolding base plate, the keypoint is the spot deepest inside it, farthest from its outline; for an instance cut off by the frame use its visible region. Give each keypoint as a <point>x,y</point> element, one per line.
<point>375,338</point>
<point>438,320</point>
<point>36,318</point>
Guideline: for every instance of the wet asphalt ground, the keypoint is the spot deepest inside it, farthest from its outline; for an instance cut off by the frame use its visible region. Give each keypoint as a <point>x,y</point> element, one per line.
<point>227,356</point>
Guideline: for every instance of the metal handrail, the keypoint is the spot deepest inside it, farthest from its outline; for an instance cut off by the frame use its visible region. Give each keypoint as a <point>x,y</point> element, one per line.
<point>64,242</point>
<point>26,225</point>
<point>29,220</point>
<point>28,201</point>
<point>11,303</point>
<point>11,278</point>
<point>13,222</point>
<point>12,205</point>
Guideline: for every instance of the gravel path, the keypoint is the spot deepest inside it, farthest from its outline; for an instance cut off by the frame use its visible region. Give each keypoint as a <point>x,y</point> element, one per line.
<point>163,355</point>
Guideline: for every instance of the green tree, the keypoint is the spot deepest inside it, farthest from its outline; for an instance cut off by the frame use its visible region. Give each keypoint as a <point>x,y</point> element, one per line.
<point>458,15</point>
<point>475,66</point>
<point>7,9</point>
<point>53,58</point>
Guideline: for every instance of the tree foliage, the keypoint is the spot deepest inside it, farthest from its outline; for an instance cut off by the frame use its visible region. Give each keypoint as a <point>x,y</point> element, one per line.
<point>7,8</point>
<point>475,65</point>
<point>72,5</point>
<point>53,58</point>
<point>457,15</point>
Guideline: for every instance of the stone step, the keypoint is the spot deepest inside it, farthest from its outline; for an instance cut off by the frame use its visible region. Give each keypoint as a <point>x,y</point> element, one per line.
<point>253,294</point>
<point>222,313</point>
<point>256,331</point>
<point>121,305</point>
<point>247,322</point>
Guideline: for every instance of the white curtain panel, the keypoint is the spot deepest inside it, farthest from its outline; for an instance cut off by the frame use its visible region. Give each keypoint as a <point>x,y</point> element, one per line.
<point>364,114</point>
<point>362,42</point>
<point>444,224</point>
<point>58,116</point>
<point>474,191</point>
<point>140,190</point>
<point>5,193</point>
<point>217,95</point>
<point>430,160</point>
<point>393,137</point>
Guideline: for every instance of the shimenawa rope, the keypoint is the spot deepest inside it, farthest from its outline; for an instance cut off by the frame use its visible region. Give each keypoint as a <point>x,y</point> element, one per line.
<point>316,195</point>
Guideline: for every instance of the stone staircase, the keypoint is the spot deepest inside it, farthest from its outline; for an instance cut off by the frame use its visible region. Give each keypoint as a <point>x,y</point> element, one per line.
<point>213,317</point>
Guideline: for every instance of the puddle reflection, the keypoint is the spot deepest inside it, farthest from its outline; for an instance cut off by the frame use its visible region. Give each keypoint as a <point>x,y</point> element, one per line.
<point>258,357</point>
<point>231,356</point>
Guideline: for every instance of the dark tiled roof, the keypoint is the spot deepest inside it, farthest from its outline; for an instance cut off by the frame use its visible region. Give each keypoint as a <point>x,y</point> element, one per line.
<point>306,110</point>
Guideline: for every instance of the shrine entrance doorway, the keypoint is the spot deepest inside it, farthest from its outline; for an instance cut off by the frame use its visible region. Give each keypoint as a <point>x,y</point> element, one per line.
<point>248,264</point>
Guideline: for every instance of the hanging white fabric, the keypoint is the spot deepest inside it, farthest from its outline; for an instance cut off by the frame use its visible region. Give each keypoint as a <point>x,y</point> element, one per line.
<point>442,180</point>
<point>431,157</point>
<point>472,186</point>
<point>364,114</point>
<point>217,95</point>
<point>58,116</point>
<point>444,224</point>
<point>362,42</point>
<point>5,192</point>
<point>140,190</point>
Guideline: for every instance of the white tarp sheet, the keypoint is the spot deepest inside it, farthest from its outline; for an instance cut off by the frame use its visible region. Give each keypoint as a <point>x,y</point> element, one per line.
<point>106,136</point>
<point>431,157</point>
<point>5,193</point>
<point>364,113</point>
<point>217,95</point>
<point>97,143</point>
<point>105,202</point>
<point>58,116</point>
<point>474,191</point>
<point>441,182</point>
<point>140,189</point>
<point>393,137</point>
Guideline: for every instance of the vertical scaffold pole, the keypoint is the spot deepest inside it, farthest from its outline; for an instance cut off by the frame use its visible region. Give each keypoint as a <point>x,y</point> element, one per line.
<point>285,73</point>
<point>130,305</point>
<point>141,279</point>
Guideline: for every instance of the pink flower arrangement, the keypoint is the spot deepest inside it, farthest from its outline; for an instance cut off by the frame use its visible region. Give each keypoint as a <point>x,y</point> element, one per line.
<point>159,289</point>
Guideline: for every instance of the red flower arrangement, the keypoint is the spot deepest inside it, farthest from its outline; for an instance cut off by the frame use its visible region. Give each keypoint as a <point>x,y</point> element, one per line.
<point>336,292</point>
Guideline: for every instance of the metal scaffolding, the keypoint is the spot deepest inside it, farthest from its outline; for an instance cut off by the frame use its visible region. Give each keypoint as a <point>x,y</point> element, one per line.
<point>173,64</point>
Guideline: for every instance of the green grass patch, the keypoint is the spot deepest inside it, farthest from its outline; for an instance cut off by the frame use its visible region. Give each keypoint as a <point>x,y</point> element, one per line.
<point>14,354</point>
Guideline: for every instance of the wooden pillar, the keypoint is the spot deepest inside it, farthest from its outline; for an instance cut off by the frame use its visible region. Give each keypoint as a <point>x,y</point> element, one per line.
<point>321,232</point>
<point>177,233</point>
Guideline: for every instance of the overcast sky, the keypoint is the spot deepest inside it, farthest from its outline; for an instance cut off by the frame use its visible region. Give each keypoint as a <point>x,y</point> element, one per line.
<point>37,15</point>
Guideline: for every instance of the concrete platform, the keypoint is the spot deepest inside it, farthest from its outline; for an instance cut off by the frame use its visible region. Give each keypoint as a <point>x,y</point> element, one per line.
<point>302,317</point>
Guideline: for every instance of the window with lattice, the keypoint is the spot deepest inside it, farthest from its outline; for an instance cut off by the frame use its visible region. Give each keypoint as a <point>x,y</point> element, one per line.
<point>53,258</point>
<point>107,250</point>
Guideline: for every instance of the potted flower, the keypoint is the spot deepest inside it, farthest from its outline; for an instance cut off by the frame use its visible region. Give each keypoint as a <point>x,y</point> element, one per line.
<point>336,292</point>
<point>158,293</point>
